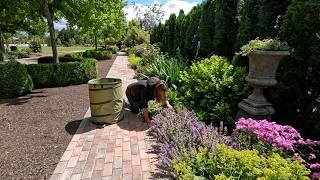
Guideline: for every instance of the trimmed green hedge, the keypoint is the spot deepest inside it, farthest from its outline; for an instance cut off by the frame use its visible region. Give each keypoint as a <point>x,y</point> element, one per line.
<point>14,80</point>
<point>98,54</point>
<point>49,59</point>
<point>62,74</point>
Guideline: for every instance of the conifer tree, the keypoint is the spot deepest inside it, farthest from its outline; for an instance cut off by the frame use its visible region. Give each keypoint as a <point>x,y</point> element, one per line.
<point>192,33</point>
<point>206,28</point>
<point>226,27</point>
<point>248,22</point>
<point>171,34</point>
<point>180,30</point>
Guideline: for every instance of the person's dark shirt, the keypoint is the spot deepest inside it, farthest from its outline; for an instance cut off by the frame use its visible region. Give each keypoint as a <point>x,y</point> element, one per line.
<point>142,91</point>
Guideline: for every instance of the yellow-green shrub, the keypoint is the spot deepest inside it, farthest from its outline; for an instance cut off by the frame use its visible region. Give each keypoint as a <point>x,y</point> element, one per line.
<point>213,88</point>
<point>134,61</point>
<point>227,163</point>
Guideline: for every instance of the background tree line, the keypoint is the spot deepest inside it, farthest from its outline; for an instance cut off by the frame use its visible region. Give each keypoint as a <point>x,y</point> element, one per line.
<point>100,19</point>
<point>223,26</point>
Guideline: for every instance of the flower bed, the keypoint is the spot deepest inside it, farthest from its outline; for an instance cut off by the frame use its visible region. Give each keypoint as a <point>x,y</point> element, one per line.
<point>189,149</point>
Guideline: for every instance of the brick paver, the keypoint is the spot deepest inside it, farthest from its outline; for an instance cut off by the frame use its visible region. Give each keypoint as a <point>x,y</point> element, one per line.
<point>118,151</point>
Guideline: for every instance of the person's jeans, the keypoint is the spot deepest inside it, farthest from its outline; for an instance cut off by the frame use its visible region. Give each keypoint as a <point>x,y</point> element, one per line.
<point>134,106</point>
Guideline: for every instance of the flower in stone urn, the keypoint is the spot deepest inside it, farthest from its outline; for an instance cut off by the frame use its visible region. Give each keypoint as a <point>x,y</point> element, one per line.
<point>264,58</point>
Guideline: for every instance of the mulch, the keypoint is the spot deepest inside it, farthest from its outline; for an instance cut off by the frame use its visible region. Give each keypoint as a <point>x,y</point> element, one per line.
<point>36,129</point>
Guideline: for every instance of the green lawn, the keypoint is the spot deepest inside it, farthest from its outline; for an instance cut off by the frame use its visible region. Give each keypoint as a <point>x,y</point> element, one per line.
<point>66,49</point>
<point>48,50</point>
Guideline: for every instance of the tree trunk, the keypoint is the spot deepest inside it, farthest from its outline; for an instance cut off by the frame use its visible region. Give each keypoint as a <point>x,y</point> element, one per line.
<point>49,16</point>
<point>2,49</point>
<point>95,42</point>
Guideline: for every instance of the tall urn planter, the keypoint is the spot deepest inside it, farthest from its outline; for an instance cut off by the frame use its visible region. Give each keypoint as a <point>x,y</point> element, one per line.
<point>263,66</point>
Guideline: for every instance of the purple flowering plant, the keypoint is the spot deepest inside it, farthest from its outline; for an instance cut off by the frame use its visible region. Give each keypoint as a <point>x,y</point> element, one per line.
<point>181,131</point>
<point>267,137</point>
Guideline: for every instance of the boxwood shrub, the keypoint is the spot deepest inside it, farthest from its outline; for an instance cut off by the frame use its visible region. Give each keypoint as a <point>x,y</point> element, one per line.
<point>98,54</point>
<point>213,88</point>
<point>62,74</point>
<point>14,80</point>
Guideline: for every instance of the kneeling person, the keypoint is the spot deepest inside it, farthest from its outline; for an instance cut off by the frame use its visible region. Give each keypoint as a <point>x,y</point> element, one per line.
<point>141,92</point>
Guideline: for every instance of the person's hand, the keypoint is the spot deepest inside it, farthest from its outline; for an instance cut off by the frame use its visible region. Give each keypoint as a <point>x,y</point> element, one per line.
<point>169,107</point>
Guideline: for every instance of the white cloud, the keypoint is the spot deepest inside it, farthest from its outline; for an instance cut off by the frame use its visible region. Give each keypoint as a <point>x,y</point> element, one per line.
<point>171,6</point>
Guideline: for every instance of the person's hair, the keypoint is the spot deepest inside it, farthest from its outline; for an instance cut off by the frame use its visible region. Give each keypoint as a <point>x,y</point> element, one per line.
<point>159,89</point>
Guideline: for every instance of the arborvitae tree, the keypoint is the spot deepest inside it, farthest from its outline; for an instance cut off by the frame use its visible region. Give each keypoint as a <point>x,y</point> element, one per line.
<point>192,34</point>
<point>153,35</point>
<point>171,34</point>
<point>298,77</point>
<point>161,35</point>
<point>248,22</point>
<point>165,36</point>
<point>180,31</point>
<point>206,28</point>
<point>270,17</point>
<point>185,26</point>
<point>226,27</point>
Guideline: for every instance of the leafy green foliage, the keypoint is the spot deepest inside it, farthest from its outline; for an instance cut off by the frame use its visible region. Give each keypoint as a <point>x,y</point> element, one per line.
<point>298,77</point>
<point>270,17</point>
<point>134,61</point>
<point>180,32</point>
<point>227,163</point>
<point>114,49</point>
<point>49,59</point>
<point>173,97</point>
<point>226,27</point>
<point>192,35</point>
<point>154,107</point>
<point>171,23</point>
<point>213,88</point>
<point>136,35</point>
<point>168,69</point>
<point>35,46</point>
<point>1,56</point>
<point>98,54</point>
<point>14,80</point>
<point>62,74</point>
<point>21,53</point>
<point>248,22</point>
<point>146,51</point>
<point>264,45</point>
<point>101,19</point>
<point>206,28</point>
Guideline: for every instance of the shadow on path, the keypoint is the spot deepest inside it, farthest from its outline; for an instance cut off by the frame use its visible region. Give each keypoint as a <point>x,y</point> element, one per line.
<point>24,99</point>
<point>132,122</point>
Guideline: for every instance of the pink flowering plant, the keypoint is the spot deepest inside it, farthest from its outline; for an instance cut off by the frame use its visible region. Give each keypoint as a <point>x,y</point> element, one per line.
<point>267,137</point>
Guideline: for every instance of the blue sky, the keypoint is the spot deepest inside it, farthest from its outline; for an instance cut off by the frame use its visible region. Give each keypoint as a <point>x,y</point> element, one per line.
<point>169,6</point>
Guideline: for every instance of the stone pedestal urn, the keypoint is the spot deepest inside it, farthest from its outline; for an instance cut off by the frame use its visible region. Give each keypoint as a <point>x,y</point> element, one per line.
<point>263,66</point>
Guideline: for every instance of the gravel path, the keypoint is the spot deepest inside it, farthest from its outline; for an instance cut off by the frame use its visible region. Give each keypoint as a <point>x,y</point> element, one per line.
<point>36,129</point>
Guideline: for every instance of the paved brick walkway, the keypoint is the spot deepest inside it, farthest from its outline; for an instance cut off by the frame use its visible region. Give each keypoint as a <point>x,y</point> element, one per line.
<point>118,151</point>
